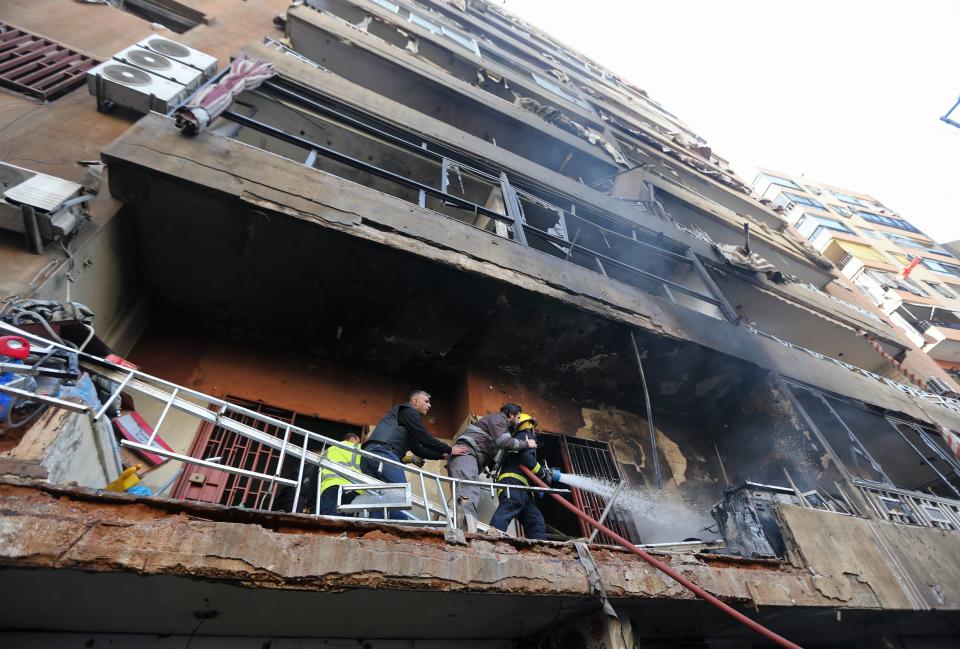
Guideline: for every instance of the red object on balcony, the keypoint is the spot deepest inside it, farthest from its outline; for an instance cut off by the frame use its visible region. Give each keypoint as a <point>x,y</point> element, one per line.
<point>133,427</point>
<point>14,347</point>
<point>122,362</point>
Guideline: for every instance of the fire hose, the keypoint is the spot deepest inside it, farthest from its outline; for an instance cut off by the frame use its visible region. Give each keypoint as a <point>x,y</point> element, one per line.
<point>667,570</point>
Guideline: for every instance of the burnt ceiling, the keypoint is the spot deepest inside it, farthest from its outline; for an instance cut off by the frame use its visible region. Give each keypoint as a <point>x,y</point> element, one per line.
<point>284,283</point>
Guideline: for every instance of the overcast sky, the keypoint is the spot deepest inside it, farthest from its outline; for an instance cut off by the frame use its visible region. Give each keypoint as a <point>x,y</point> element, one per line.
<point>848,93</point>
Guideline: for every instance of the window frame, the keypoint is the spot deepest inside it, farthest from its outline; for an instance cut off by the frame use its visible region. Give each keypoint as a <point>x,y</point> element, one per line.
<point>805,200</point>
<point>782,182</point>
<point>847,198</point>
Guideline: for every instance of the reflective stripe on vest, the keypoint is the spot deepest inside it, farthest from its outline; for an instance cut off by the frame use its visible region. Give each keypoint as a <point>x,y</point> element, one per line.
<point>344,457</point>
<point>516,476</point>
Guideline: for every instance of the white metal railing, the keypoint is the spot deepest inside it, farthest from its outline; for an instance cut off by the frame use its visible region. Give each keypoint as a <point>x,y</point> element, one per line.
<point>439,507</point>
<point>912,508</point>
<point>906,388</point>
<point>861,311</point>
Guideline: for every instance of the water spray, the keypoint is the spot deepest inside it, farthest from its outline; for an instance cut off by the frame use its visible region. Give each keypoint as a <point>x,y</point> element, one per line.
<point>662,567</point>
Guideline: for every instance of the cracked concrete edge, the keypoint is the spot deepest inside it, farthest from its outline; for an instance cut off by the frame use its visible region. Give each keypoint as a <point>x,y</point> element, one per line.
<point>44,526</point>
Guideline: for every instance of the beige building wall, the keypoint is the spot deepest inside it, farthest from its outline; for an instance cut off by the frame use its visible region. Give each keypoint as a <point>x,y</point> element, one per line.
<point>873,245</point>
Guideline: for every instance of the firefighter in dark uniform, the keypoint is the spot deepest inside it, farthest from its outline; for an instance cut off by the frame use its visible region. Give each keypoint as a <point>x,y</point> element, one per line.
<point>520,503</point>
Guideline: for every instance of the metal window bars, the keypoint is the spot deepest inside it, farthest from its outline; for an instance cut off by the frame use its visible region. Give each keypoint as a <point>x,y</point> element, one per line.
<point>640,244</point>
<point>436,505</point>
<point>39,66</point>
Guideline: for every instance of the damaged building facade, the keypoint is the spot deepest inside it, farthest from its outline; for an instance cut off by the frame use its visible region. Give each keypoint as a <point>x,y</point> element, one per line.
<point>438,195</point>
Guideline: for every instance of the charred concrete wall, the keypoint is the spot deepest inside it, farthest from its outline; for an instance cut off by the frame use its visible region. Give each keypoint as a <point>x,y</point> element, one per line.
<point>769,437</point>
<point>291,380</point>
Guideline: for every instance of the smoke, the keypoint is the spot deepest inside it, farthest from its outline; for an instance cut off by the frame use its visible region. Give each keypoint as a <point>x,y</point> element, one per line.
<point>659,516</point>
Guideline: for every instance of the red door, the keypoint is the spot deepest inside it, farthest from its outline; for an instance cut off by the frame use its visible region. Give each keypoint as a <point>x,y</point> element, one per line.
<point>211,485</point>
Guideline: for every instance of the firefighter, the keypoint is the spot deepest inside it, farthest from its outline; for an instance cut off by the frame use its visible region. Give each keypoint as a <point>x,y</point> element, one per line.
<point>519,503</point>
<point>476,449</point>
<point>330,481</point>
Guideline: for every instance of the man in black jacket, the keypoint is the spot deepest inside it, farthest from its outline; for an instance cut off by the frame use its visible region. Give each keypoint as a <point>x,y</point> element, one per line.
<point>475,449</point>
<point>520,503</point>
<point>401,430</point>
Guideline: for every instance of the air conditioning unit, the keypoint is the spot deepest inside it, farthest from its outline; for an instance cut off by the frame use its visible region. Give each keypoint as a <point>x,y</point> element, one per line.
<point>181,53</point>
<point>158,64</point>
<point>134,88</point>
<point>940,387</point>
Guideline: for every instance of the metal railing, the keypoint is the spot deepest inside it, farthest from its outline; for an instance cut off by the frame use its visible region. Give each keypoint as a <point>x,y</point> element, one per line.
<point>907,388</point>
<point>911,508</point>
<point>437,505</point>
<point>639,242</point>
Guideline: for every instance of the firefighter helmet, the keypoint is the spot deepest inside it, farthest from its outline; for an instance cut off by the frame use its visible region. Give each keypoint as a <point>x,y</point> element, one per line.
<point>525,422</point>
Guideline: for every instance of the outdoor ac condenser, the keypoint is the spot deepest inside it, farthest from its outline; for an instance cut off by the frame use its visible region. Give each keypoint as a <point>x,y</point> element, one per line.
<point>134,88</point>
<point>206,64</point>
<point>940,387</point>
<point>161,66</point>
<point>42,207</point>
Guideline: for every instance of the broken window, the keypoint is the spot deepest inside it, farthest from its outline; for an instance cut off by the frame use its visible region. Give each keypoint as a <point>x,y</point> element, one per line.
<point>289,120</point>
<point>466,41</point>
<point>558,90</point>
<point>883,450</point>
<point>889,280</point>
<point>595,459</point>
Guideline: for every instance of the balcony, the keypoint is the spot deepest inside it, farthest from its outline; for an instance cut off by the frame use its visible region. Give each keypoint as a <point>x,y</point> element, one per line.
<point>296,122</point>
<point>939,327</point>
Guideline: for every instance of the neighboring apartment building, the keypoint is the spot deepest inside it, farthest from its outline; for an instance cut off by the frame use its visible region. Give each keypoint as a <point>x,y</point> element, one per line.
<point>874,246</point>
<point>438,195</point>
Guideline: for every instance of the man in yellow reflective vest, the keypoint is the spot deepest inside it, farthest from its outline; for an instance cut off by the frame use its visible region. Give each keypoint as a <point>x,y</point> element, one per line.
<point>520,503</point>
<point>330,481</point>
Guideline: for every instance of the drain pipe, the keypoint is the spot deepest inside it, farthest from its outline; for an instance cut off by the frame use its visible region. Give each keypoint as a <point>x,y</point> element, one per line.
<point>667,570</point>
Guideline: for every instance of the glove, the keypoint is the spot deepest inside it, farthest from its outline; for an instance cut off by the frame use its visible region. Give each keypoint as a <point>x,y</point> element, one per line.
<point>410,458</point>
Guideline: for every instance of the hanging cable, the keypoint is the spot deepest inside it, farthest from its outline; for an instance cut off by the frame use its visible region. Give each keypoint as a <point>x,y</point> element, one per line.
<point>664,568</point>
<point>646,398</point>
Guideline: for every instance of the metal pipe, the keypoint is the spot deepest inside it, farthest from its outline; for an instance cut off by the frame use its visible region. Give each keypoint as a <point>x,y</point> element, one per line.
<point>646,399</point>
<point>360,164</point>
<point>204,463</point>
<point>606,510</point>
<point>667,570</point>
